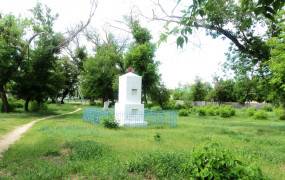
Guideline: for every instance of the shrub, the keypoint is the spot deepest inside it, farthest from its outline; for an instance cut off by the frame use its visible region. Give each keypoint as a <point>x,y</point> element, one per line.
<point>208,162</point>
<point>110,123</point>
<point>179,105</point>
<point>170,104</point>
<point>212,110</point>
<point>156,108</point>
<point>260,114</point>
<point>227,111</point>
<point>267,108</point>
<point>188,104</point>
<point>157,137</point>
<point>280,113</point>
<point>250,111</point>
<point>36,107</point>
<point>214,162</point>
<point>183,112</point>
<point>201,111</point>
<point>16,103</point>
<point>282,117</point>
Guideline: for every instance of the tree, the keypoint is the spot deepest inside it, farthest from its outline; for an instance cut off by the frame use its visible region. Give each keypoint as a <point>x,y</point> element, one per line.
<point>40,77</point>
<point>245,89</point>
<point>70,74</point>
<point>199,90</point>
<point>237,21</point>
<point>100,72</point>
<point>224,91</point>
<point>160,95</point>
<point>12,49</point>
<point>140,56</point>
<point>277,62</point>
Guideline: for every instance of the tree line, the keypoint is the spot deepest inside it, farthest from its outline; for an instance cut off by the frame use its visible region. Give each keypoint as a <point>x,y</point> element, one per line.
<point>37,69</point>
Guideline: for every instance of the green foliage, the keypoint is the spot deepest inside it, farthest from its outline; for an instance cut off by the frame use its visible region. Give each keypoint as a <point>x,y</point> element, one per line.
<point>157,137</point>
<point>201,111</point>
<point>110,123</point>
<point>16,103</point>
<point>280,112</point>
<point>282,117</point>
<point>179,105</point>
<point>160,95</point>
<point>250,111</point>
<point>12,49</point>
<point>159,165</point>
<point>141,35</point>
<point>212,110</point>
<point>199,90</point>
<point>226,111</point>
<point>244,89</point>
<point>38,107</point>
<point>224,91</point>
<point>260,114</point>
<point>208,162</point>
<point>101,72</point>
<point>140,56</point>
<point>183,112</point>
<point>212,161</point>
<point>70,74</point>
<point>277,62</point>
<point>156,108</point>
<point>267,108</point>
<point>42,76</point>
<point>85,150</point>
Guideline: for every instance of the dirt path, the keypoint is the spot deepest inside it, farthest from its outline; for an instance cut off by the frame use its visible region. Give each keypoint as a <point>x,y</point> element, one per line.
<point>11,137</point>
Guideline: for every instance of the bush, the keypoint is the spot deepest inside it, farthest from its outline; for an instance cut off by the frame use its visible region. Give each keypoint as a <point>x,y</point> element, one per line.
<point>183,112</point>
<point>260,114</point>
<point>212,110</point>
<point>170,104</point>
<point>156,108</point>
<point>188,103</point>
<point>36,107</point>
<point>16,103</point>
<point>282,117</point>
<point>280,113</point>
<point>267,108</point>
<point>250,111</point>
<point>179,105</point>
<point>110,123</point>
<point>201,111</point>
<point>227,111</point>
<point>208,162</point>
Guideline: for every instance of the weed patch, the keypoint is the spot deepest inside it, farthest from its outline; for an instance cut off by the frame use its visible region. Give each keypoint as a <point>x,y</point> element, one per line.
<point>85,150</point>
<point>208,162</point>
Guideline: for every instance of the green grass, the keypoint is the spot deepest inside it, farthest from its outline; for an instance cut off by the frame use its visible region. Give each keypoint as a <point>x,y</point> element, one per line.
<point>9,121</point>
<point>68,147</point>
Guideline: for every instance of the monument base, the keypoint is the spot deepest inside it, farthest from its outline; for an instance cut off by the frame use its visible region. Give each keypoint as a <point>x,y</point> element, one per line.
<point>131,115</point>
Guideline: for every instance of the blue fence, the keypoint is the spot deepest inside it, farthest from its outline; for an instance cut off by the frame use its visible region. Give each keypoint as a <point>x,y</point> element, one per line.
<point>151,118</point>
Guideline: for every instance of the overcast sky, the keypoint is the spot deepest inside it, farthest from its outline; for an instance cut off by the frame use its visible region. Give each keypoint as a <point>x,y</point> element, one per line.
<point>202,57</point>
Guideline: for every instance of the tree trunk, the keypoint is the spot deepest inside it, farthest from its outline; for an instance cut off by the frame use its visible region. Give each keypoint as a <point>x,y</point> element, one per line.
<point>145,98</point>
<point>27,104</point>
<point>64,94</point>
<point>53,101</point>
<point>5,104</point>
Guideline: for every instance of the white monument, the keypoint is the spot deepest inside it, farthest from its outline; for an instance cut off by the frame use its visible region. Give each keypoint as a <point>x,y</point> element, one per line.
<point>129,111</point>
